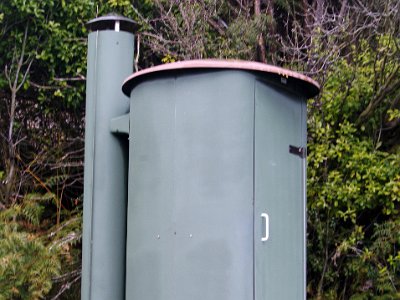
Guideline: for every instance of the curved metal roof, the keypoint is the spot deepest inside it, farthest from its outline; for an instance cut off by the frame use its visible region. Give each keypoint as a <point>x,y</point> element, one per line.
<point>304,84</point>
<point>108,23</point>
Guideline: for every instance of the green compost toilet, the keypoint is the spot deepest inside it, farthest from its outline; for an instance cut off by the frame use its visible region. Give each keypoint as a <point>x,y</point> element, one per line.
<point>216,183</point>
<point>217,172</point>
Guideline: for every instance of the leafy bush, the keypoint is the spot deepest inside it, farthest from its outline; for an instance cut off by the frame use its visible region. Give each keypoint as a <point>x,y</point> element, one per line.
<point>353,184</point>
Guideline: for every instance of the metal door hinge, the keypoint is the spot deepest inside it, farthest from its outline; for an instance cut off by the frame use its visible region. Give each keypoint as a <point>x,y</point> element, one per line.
<point>299,151</point>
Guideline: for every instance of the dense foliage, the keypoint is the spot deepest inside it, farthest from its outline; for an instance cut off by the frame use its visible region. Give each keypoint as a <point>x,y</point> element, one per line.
<point>353,186</point>
<point>351,47</point>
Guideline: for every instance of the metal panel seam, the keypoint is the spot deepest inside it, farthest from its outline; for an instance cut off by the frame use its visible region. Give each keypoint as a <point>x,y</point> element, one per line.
<point>93,165</point>
<point>174,166</point>
<point>254,185</point>
<point>304,186</point>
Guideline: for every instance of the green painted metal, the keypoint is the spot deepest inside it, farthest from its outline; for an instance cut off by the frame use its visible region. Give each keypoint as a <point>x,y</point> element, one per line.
<point>209,163</point>
<point>280,121</point>
<point>120,125</point>
<point>190,207</point>
<point>110,60</point>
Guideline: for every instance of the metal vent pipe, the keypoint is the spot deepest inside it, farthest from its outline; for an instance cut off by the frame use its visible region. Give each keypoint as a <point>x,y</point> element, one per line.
<point>110,61</point>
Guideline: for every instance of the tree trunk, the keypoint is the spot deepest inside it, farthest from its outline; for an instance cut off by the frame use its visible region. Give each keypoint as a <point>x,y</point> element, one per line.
<point>15,83</point>
<point>261,52</point>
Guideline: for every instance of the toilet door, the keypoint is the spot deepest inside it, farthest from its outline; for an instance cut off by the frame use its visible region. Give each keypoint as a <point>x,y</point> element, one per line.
<point>279,215</point>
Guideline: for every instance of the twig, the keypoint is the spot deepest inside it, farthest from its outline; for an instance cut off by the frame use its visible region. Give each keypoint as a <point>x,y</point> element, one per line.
<point>66,286</point>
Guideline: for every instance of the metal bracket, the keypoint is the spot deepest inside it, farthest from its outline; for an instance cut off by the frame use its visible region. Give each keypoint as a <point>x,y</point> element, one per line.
<point>299,151</point>
<point>120,125</point>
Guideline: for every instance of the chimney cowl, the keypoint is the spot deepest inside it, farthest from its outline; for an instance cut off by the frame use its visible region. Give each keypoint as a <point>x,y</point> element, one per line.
<point>112,22</point>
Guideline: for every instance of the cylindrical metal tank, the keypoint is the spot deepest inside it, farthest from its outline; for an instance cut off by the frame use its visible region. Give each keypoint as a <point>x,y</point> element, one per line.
<point>217,172</point>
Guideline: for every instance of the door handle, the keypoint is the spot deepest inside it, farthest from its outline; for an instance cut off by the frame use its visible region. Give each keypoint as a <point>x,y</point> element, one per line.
<point>265,237</point>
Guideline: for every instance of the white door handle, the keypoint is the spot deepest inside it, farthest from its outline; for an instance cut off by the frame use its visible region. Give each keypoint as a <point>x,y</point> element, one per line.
<point>266,233</point>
